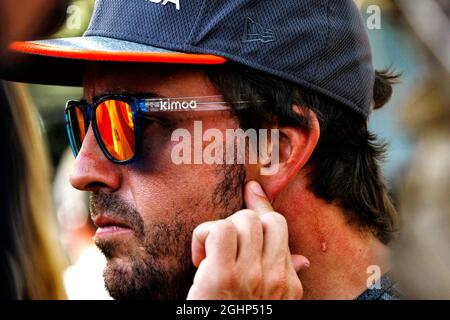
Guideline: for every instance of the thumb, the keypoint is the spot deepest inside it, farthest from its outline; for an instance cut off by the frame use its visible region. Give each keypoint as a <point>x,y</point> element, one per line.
<point>256,199</point>
<point>299,262</point>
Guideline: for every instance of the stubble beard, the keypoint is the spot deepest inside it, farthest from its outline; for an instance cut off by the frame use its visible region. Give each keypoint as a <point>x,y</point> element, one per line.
<point>163,268</point>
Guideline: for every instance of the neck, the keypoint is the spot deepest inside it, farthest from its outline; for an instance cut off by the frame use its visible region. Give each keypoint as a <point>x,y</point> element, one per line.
<point>343,257</point>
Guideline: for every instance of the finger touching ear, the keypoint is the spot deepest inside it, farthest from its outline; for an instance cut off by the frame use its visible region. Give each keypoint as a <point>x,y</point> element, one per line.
<point>256,198</point>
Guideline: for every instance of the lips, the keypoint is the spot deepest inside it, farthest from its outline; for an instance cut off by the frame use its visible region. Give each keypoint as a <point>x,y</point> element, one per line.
<point>110,226</point>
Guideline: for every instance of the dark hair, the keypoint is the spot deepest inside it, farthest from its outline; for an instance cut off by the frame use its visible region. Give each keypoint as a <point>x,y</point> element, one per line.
<point>345,166</point>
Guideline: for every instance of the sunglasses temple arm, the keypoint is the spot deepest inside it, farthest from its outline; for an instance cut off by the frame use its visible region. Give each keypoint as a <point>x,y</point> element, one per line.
<point>203,107</point>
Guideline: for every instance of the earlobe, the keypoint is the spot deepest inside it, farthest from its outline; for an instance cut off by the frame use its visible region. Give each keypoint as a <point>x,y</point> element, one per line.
<point>294,146</point>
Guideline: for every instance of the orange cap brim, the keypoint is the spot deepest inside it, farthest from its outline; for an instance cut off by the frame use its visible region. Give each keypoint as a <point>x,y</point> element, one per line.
<point>119,56</point>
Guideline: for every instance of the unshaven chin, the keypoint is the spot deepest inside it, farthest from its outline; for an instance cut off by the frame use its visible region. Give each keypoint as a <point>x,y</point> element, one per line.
<point>154,263</point>
<point>160,268</point>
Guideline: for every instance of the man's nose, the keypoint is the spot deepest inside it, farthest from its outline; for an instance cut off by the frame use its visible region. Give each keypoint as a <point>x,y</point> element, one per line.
<point>92,170</point>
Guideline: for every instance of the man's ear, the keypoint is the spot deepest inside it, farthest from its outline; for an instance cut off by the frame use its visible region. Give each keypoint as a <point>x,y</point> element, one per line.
<point>295,147</point>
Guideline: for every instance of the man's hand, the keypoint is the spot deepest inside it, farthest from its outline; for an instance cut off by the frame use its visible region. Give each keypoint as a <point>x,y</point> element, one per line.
<point>246,256</point>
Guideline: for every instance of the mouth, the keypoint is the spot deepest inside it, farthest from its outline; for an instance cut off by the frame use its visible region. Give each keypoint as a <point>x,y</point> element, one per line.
<point>108,226</point>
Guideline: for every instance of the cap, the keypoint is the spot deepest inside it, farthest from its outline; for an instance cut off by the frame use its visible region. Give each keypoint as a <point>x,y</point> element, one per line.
<point>319,44</point>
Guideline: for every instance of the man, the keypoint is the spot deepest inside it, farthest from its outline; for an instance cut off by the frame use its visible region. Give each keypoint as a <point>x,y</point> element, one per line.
<point>316,227</point>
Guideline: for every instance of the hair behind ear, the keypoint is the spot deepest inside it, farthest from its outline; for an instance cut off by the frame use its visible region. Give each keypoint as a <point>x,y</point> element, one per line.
<point>382,91</point>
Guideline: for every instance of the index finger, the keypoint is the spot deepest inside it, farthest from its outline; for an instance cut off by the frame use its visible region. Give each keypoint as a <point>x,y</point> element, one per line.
<point>199,236</point>
<point>256,199</point>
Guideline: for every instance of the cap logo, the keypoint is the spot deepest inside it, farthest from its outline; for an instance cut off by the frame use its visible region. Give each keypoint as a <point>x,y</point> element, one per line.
<point>164,2</point>
<point>254,31</point>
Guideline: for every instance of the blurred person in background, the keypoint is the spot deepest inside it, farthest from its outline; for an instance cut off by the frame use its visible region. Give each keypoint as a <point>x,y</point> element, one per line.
<point>422,256</point>
<point>28,19</point>
<point>422,253</point>
<point>83,279</point>
<point>72,211</point>
<point>30,256</point>
<point>415,37</point>
<point>31,259</point>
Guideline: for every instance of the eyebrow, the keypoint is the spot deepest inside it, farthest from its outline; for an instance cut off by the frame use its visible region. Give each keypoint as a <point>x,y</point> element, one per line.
<point>151,95</point>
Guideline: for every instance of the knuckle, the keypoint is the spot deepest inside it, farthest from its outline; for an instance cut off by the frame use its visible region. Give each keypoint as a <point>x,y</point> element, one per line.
<point>252,218</point>
<point>199,228</point>
<point>223,226</point>
<point>246,211</point>
<point>247,214</point>
<point>246,219</point>
<point>197,231</point>
<point>274,218</point>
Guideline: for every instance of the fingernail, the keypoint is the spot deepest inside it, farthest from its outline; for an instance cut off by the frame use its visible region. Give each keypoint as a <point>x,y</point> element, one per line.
<point>256,188</point>
<point>307,264</point>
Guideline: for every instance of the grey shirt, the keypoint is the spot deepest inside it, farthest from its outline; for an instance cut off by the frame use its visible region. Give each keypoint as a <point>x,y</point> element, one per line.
<point>389,290</point>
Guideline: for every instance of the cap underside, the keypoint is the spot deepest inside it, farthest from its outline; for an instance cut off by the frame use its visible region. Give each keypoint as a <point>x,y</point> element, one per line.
<point>95,48</point>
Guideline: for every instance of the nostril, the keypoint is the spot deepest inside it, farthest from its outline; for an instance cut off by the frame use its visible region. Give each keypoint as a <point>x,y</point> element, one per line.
<point>94,186</point>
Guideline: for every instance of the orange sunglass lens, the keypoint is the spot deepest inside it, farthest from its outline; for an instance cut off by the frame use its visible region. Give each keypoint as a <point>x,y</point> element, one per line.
<point>77,126</point>
<point>116,128</point>
<point>81,125</point>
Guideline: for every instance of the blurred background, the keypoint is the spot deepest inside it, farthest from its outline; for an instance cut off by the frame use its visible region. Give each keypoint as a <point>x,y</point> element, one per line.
<point>411,37</point>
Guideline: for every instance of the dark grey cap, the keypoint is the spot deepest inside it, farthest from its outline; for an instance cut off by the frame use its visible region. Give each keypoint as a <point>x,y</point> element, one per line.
<point>319,44</point>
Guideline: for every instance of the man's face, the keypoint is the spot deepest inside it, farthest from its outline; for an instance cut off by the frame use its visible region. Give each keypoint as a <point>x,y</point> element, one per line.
<point>157,203</point>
